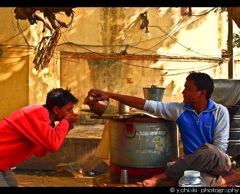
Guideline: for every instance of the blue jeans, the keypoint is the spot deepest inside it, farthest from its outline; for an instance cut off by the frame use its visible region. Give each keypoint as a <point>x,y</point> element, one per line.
<point>8,178</point>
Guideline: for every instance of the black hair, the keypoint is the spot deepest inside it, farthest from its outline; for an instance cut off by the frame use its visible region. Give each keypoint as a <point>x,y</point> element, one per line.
<point>202,81</point>
<point>59,97</point>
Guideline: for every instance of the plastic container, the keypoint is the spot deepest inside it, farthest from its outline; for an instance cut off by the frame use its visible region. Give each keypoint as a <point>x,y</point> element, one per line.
<point>191,178</point>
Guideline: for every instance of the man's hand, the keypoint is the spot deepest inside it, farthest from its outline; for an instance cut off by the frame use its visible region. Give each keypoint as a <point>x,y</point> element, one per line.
<point>98,95</point>
<point>71,126</point>
<point>71,117</point>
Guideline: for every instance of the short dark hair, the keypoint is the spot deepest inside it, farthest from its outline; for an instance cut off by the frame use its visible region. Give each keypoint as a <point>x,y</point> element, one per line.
<point>202,81</point>
<point>59,97</point>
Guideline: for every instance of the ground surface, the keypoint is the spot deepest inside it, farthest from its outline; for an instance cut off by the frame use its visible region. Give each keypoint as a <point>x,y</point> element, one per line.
<point>48,179</point>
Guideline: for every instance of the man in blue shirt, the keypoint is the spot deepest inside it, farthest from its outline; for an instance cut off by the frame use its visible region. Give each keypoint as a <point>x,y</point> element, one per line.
<point>203,125</point>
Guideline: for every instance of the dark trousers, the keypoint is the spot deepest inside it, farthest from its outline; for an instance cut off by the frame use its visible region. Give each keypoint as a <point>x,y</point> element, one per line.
<point>210,161</point>
<point>7,178</point>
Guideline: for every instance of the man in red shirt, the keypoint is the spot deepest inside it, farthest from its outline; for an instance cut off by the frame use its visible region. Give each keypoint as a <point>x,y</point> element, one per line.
<point>31,131</point>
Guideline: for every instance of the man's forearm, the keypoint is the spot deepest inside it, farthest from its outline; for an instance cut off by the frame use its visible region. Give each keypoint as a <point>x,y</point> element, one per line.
<point>131,101</point>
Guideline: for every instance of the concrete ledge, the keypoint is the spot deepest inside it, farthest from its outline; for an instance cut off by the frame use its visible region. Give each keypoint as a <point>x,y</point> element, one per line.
<point>74,149</point>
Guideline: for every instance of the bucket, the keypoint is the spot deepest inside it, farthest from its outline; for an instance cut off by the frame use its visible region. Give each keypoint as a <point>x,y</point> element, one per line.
<point>153,93</point>
<point>145,143</point>
<point>234,133</point>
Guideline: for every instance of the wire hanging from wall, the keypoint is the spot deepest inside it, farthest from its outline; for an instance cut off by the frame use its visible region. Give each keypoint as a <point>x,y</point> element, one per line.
<point>46,50</point>
<point>47,15</point>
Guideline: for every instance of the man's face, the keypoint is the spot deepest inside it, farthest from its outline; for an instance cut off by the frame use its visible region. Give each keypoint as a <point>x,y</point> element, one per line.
<point>61,112</point>
<point>190,93</point>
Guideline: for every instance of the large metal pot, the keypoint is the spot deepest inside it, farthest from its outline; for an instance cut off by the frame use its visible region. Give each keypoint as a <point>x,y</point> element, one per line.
<point>143,142</point>
<point>234,133</point>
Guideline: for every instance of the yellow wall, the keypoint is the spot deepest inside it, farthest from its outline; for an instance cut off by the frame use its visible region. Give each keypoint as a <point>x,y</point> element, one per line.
<point>104,31</point>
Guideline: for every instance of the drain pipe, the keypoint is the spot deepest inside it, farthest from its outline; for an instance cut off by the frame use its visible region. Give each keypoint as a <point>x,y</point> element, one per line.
<point>230,47</point>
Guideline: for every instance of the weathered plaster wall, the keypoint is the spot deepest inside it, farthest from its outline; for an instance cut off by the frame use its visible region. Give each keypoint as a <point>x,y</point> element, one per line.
<point>105,31</point>
<point>114,75</point>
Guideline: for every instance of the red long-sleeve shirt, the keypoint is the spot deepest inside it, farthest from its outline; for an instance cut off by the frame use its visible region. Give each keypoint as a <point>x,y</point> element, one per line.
<point>28,132</point>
